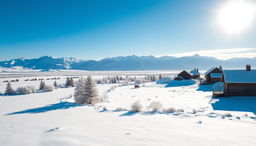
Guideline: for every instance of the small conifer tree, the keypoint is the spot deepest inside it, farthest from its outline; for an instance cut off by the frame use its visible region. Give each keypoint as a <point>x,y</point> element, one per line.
<point>9,90</point>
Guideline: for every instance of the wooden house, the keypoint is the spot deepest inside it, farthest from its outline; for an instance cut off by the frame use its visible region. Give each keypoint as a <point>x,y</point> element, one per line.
<point>184,75</point>
<point>213,75</point>
<point>240,82</point>
<point>195,73</point>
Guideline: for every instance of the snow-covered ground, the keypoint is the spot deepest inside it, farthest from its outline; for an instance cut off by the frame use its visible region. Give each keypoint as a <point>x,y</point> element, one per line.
<point>50,119</point>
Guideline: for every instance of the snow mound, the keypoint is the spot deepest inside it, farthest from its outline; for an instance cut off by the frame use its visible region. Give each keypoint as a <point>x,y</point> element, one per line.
<point>176,83</point>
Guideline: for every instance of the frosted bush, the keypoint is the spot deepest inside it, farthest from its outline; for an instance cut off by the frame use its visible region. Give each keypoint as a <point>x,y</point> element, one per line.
<point>126,83</point>
<point>227,115</point>
<point>138,82</point>
<point>104,97</point>
<point>194,111</point>
<point>121,109</point>
<point>136,107</point>
<point>169,110</point>
<point>155,106</point>
<point>180,110</point>
<point>25,90</point>
<point>22,90</point>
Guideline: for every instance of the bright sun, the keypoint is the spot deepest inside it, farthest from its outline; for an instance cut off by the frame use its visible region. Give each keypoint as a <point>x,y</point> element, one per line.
<point>236,16</point>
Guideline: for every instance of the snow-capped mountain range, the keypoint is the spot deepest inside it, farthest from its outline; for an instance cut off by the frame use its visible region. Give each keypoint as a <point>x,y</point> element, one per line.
<point>128,63</point>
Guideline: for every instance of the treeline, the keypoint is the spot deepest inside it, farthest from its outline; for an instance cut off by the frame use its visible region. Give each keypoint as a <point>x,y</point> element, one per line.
<point>43,87</point>
<point>130,79</point>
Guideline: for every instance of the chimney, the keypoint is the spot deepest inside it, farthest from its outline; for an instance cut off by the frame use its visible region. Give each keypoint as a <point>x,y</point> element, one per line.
<point>220,67</point>
<point>248,67</point>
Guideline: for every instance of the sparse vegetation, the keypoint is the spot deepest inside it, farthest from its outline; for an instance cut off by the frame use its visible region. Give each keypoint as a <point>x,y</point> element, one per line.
<point>227,115</point>
<point>136,107</point>
<point>180,110</point>
<point>155,106</point>
<point>169,110</point>
<point>25,90</point>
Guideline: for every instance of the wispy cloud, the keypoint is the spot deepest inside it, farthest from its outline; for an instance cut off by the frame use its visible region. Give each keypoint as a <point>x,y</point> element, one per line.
<point>221,53</point>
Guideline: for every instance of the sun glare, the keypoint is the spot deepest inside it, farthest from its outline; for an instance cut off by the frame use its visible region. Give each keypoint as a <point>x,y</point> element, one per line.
<point>236,16</point>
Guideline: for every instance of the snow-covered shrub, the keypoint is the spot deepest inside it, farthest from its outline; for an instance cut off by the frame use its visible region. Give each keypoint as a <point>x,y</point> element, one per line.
<point>25,90</point>
<point>199,122</point>
<point>194,111</point>
<point>9,90</point>
<point>85,92</point>
<point>155,106</point>
<point>180,110</point>
<point>126,83</point>
<point>120,109</point>
<point>99,81</point>
<point>104,97</point>
<point>136,107</point>
<point>227,115</point>
<point>112,89</point>
<point>169,110</point>
<point>105,108</point>
<point>22,90</point>
<point>48,88</point>
<point>138,81</point>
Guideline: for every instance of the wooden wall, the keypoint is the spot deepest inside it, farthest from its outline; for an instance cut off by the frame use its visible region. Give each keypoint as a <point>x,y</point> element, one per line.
<point>240,89</point>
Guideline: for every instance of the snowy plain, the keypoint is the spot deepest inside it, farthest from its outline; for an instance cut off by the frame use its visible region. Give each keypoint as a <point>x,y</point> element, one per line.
<point>52,119</point>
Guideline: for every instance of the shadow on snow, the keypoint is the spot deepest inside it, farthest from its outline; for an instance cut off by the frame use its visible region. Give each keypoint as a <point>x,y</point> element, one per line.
<point>177,83</point>
<point>129,113</point>
<point>204,88</point>
<point>51,107</point>
<point>241,104</point>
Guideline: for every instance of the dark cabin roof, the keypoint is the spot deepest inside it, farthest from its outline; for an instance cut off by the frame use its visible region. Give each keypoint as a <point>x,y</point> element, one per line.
<point>239,76</point>
<point>185,75</point>
<point>211,69</point>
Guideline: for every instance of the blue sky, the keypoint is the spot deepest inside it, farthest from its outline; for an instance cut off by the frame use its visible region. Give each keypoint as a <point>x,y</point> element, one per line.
<point>94,29</point>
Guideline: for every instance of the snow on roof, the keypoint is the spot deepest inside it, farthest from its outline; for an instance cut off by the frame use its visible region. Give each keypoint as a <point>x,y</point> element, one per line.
<point>210,70</point>
<point>216,75</point>
<point>240,76</point>
<point>194,73</point>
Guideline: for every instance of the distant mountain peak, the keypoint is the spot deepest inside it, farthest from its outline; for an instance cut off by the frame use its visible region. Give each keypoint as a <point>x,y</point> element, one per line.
<point>132,62</point>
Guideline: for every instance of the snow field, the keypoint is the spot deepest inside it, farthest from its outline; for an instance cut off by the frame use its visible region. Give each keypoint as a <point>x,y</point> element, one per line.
<point>50,119</point>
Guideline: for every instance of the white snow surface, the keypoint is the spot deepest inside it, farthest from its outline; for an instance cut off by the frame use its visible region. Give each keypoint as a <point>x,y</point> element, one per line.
<point>51,119</point>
